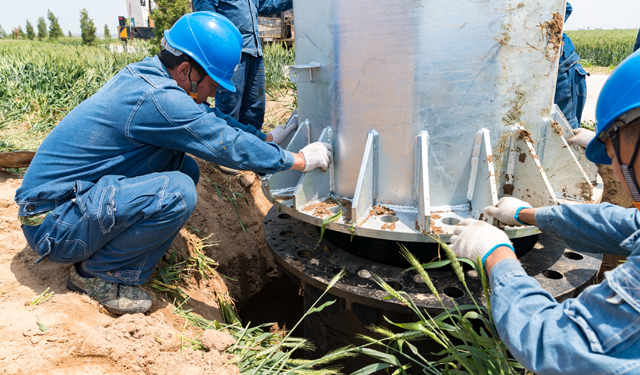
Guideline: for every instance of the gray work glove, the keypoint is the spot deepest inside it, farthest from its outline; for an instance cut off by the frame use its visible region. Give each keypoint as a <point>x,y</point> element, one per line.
<point>507,210</point>
<point>476,239</point>
<point>280,133</point>
<point>581,137</point>
<point>316,155</point>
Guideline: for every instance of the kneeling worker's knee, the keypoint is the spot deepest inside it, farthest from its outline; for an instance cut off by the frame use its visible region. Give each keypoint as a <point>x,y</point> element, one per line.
<point>183,186</point>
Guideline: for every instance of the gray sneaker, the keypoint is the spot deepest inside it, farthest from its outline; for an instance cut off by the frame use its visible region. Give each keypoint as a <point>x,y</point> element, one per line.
<point>117,298</point>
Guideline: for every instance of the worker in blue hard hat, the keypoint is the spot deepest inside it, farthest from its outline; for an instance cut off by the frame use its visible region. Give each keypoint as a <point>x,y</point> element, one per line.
<point>247,103</point>
<point>571,84</point>
<point>598,332</point>
<point>111,186</point>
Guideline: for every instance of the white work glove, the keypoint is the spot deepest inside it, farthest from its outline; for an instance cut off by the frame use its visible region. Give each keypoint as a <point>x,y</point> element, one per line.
<point>507,210</point>
<point>476,239</point>
<point>316,155</point>
<point>581,137</point>
<point>280,133</point>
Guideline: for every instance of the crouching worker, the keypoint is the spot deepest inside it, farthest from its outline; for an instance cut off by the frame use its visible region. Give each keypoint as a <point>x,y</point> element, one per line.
<point>599,331</point>
<point>111,186</point>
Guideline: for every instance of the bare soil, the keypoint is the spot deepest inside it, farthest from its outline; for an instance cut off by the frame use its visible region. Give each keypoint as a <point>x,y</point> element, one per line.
<point>321,208</point>
<point>83,338</point>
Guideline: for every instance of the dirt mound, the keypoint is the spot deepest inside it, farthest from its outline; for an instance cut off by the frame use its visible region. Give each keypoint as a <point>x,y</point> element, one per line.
<point>131,344</point>
<point>77,336</point>
<point>242,253</point>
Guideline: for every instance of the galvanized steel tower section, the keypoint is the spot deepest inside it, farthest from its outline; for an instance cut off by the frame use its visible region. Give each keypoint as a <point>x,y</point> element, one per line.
<point>434,109</point>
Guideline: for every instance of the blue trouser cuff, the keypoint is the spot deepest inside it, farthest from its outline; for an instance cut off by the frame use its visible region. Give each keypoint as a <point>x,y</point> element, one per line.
<point>518,213</point>
<point>484,258</point>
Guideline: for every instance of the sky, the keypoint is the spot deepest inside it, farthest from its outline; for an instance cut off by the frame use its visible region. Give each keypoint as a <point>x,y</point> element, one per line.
<point>605,14</point>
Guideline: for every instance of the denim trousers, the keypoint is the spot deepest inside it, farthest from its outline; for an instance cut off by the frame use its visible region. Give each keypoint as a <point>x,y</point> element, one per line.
<point>247,104</point>
<point>118,227</point>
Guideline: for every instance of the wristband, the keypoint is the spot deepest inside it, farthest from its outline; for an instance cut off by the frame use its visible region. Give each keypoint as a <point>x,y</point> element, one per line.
<point>518,213</point>
<point>484,258</point>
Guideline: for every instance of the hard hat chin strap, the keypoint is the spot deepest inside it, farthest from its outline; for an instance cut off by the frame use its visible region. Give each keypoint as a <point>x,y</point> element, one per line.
<point>194,84</point>
<point>627,169</point>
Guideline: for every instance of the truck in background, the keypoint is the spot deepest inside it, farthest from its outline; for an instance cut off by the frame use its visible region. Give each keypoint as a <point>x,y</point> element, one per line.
<point>277,28</point>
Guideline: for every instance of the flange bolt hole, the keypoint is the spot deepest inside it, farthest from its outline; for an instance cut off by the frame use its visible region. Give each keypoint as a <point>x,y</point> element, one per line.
<point>389,219</point>
<point>550,274</point>
<point>305,253</point>
<point>453,292</point>
<point>450,220</point>
<point>573,256</point>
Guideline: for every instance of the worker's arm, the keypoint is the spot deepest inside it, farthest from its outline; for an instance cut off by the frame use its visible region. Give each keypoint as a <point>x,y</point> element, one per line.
<point>205,5</point>
<point>269,7</point>
<point>235,124</point>
<point>596,333</point>
<point>169,118</point>
<point>599,228</point>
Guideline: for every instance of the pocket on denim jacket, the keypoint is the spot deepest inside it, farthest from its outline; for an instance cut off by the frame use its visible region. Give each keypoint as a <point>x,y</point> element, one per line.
<point>605,318</point>
<point>580,81</point>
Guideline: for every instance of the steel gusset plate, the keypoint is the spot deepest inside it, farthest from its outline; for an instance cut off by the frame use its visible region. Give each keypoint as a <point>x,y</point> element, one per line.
<point>294,244</point>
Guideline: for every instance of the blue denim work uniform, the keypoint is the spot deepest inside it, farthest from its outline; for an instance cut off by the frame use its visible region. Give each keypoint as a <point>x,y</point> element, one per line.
<point>115,178</point>
<point>599,331</point>
<point>247,104</point>
<point>571,86</point>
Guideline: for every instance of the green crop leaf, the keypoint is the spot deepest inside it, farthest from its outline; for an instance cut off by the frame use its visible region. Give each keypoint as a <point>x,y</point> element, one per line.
<point>384,357</point>
<point>41,326</point>
<point>371,369</point>
<point>321,307</point>
<point>326,221</point>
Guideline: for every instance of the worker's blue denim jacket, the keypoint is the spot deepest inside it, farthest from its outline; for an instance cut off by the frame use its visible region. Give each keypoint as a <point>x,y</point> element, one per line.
<point>244,14</point>
<point>571,85</point>
<point>139,122</point>
<point>599,331</point>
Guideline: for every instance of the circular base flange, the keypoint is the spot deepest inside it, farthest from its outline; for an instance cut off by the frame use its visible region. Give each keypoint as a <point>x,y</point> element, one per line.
<point>294,244</point>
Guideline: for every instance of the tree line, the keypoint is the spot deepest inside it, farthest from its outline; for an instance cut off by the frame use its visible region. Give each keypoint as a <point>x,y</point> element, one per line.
<point>53,31</point>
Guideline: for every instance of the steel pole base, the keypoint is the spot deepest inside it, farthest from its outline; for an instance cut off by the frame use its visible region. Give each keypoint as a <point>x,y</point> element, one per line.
<point>294,244</point>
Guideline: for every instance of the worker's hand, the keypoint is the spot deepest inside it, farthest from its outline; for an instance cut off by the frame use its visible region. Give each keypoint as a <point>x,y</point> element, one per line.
<point>280,133</point>
<point>581,137</point>
<point>476,239</point>
<point>316,155</point>
<point>507,210</point>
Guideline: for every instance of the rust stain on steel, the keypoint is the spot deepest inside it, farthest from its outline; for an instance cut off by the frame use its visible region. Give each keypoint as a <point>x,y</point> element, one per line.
<point>515,113</point>
<point>522,157</point>
<point>508,189</point>
<point>556,128</point>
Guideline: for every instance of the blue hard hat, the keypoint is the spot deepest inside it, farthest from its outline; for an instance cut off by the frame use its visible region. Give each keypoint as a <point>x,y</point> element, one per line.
<point>212,41</point>
<point>619,95</point>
